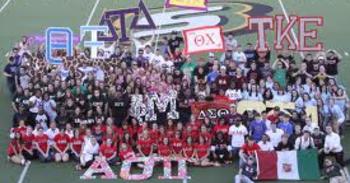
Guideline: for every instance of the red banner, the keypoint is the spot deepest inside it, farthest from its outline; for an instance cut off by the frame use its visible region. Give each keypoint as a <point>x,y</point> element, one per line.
<point>212,110</point>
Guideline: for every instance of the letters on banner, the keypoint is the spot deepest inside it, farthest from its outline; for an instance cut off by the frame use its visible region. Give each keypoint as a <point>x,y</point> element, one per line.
<point>190,4</point>
<point>217,109</point>
<point>100,166</point>
<point>204,39</point>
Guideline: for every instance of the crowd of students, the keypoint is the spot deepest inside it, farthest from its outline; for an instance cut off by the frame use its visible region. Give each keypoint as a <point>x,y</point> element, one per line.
<point>81,108</point>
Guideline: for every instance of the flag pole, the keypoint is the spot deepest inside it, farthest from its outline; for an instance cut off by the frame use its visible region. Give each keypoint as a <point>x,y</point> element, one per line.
<point>160,27</point>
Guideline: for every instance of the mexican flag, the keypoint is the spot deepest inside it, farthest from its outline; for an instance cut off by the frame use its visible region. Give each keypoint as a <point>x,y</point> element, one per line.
<point>288,165</point>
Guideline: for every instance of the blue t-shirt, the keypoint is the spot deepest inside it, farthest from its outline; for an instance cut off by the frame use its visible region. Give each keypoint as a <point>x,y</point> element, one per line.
<point>287,127</point>
<point>258,129</point>
<point>212,76</point>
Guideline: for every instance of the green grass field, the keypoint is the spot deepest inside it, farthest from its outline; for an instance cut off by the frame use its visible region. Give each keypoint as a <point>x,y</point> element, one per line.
<point>22,17</point>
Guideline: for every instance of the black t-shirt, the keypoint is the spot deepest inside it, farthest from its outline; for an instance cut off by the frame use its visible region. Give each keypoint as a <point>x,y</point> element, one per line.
<point>309,65</point>
<point>70,109</point>
<point>174,43</point>
<point>249,170</point>
<point>220,143</point>
<point>332,66</point>
<point>332,171</point>
<point>318,140</point>
<point>119,106</point>
<point>97,101</point>
<point>284,147</point>
<point>17,99</point>
<point>79,119</point>
<point>184,104</point>
<point>11,69</point>
<point>254,74</point>
<point>251,55</point>
<point>62,120</point>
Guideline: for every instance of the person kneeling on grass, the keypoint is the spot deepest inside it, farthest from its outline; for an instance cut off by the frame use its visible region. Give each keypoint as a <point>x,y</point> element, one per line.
<point>14,151</point>
<point>145,145</point>
<point>125,152</point>
<point>164,148</point>
<point>76,145</point>
<point>42,146</point>
<point>28,144</point>
<point>247,150</point>
<point>109,151</point>
<point>188,151</point>
<point>177,145</point>
<point>89,151</point>
<point>61,146</point>
<point>220,149</point>
<point>202,152</point>
<point>247,172</point>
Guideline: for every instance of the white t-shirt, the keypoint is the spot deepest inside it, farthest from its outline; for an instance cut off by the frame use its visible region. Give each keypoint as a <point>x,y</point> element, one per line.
<point>332,143</point>
<point>265,146</point>
<point>233,94</point>
<point>240,58</point>
<point>167,65</point>
<point>42,120</point>
<point>311,127</point>
<point>237,135</point>
<point>281,98</point>
<point>88,150</point>
<point>275,137</point>
<point>51,133</point>
<point>231,43</point>
<point>99,74</point>
<point>302,144</point>
<point>24,81</point>
<point>64,73</point>
<point>148,56</point>
<point>157,60</point>
<point>37,102</point>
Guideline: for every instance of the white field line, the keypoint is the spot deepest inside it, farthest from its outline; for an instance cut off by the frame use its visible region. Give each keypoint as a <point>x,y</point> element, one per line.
<point>5,5</point>
<point>92,12</point>
<point>287,18</point>
<point>24,172</point>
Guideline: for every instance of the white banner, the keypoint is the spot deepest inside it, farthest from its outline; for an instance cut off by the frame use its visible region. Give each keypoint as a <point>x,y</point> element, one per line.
<point>204,39</point>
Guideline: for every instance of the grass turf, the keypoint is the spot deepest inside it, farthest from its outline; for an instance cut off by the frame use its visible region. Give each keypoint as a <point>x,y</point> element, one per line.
<point>22,17</point>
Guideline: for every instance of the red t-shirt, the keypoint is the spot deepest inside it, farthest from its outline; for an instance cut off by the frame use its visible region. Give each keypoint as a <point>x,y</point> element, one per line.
<point>188,150</point>
<point>163,150</point>
<point>107,151</point>
<point>28,141</point>
<point>145,145</point>
<point>273,118</point>
<point>13,146</point>
<point>176,145</point>
<point>221,128</point>
<point>202,149</point>
<point>21,130</point>
<point>62,141</point>
<point>126,154</point>
<point>154,134</point>
<point>207,136</point>
<point>77,143</point>
<point>110,136</point>
<point>133,129</point>
<point>170,133</point>
<point>42,141</point>
<point>194,134</point>
<point>249,150</point>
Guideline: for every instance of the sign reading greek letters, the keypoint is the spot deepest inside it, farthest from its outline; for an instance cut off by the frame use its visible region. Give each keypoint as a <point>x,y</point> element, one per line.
<point>204,39</point>
<point>99,166</point>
